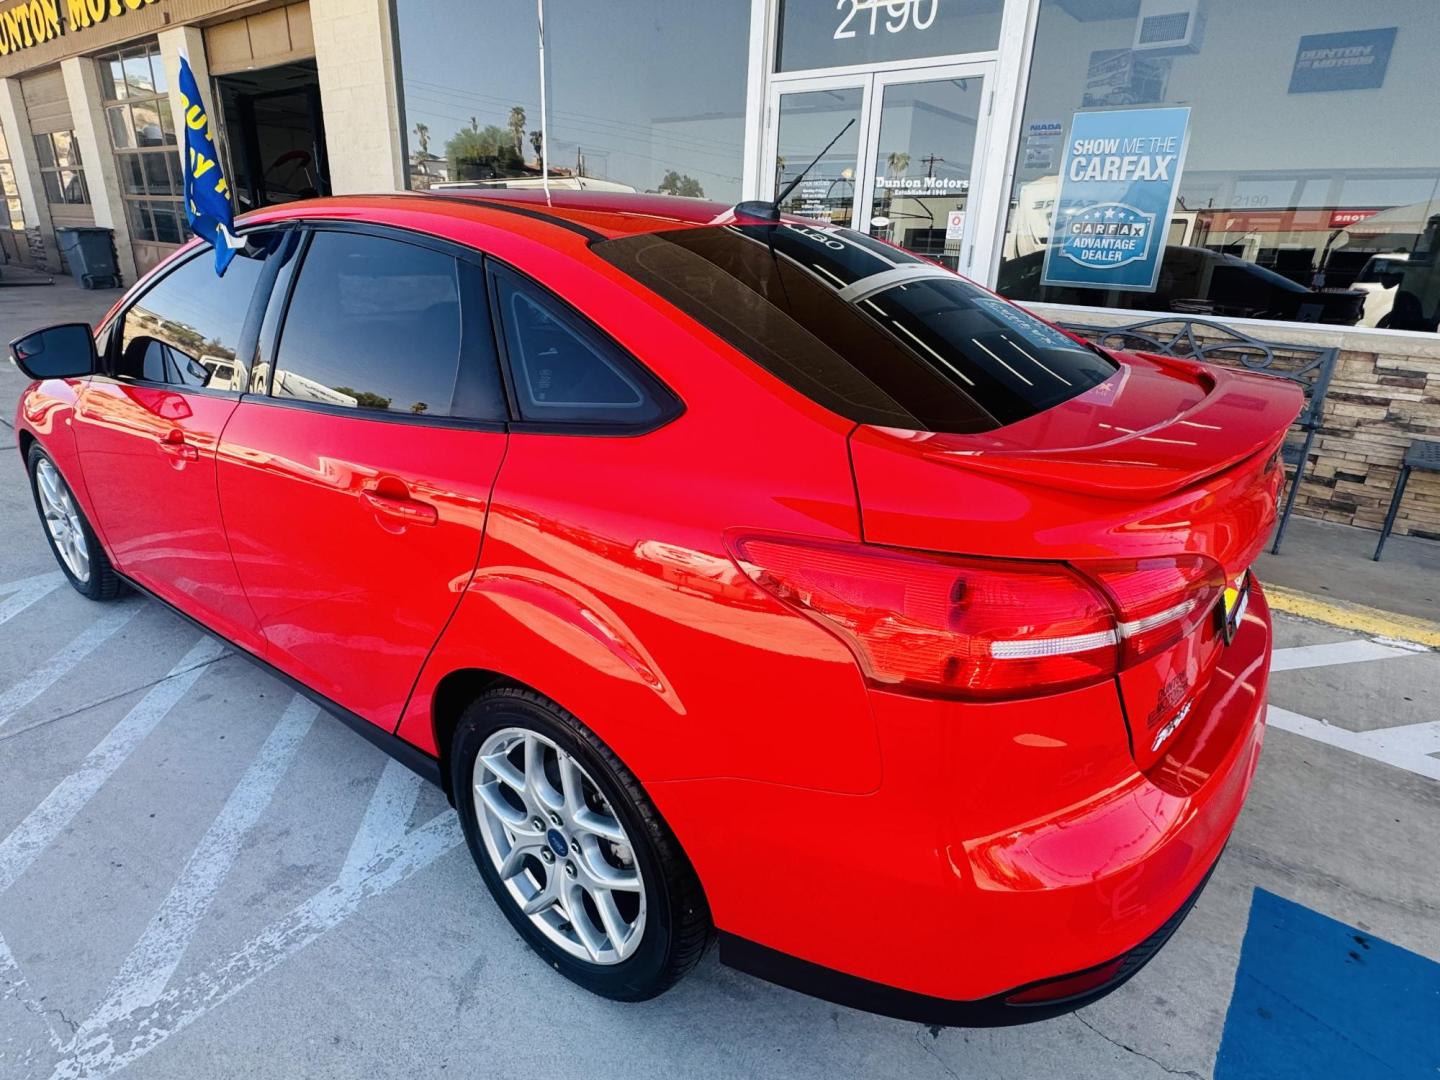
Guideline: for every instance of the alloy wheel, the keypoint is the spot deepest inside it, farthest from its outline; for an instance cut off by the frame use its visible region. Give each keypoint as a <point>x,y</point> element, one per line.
<point>558,846</point>
<point>62,519</point>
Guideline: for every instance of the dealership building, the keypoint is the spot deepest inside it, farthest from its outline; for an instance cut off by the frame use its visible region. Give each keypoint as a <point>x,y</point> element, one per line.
<point>1282,149</point>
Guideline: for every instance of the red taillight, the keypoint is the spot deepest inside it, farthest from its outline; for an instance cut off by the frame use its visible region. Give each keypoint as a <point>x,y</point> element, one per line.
<point>937,624</point>
<point>984,628</point>
<point>1159,601</point>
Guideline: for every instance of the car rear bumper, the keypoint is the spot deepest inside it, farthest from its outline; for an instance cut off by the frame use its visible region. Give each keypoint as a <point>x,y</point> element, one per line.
<point>1008,846</point>
<point>1053,996</point>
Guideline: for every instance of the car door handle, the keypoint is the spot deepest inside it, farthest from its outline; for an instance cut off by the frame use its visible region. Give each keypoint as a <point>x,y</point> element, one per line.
<point>174,445</point>
<point>410,511</point>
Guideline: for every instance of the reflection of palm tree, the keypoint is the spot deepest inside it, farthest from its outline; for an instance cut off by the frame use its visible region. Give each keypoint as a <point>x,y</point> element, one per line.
<point>517,127</point>
<point>898,162</point>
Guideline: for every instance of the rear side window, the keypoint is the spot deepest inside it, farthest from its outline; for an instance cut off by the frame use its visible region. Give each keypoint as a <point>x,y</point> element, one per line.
<point>562,368</point>
<point>869,332</point>
<point>380,325</point>
<point>186,330</point>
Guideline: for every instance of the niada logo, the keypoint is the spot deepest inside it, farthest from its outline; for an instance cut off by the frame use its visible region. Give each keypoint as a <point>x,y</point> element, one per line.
<point>1106,235</point>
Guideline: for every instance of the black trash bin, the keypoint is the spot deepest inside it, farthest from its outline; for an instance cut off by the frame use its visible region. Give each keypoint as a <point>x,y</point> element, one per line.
<point>91,255</point>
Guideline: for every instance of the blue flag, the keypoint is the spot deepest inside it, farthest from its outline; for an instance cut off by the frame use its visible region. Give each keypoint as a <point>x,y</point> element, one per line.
<point>207,194</point>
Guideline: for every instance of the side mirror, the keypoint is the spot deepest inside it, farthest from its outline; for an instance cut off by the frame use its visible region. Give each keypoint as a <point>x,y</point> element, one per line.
<point>66,351</point>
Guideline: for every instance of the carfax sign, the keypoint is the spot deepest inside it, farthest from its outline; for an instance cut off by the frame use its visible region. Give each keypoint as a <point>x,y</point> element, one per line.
<point>1118,184</point>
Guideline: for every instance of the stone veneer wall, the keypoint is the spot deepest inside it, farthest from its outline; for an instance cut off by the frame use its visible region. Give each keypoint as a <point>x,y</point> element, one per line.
<point>1385,394</point>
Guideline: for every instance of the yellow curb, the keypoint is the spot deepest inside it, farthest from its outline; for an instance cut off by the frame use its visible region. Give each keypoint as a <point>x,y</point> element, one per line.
<point>1366,620</point>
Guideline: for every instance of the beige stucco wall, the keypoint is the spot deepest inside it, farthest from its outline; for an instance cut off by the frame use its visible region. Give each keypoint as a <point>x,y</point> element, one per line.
<point>358,94</point>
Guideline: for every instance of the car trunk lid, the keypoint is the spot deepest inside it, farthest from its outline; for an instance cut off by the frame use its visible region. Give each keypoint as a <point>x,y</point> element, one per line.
<point>1166,458</point>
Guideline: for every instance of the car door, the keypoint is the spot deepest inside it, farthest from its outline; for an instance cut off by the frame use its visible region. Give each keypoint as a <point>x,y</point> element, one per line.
<point>147,428</point>
<point>355,487</point>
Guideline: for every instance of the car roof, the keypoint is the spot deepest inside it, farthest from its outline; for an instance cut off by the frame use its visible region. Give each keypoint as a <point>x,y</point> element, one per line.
<point>621,211</point>
<point>601,215</point>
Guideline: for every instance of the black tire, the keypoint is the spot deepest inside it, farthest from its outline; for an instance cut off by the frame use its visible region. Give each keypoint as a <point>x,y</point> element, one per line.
<point>677,925</point>
<point>102,582</point>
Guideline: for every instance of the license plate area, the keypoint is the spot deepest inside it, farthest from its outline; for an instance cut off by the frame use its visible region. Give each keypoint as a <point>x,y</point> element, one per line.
<point>1231,608</point>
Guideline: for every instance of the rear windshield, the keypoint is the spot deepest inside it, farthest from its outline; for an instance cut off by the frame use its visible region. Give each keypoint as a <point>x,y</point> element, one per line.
<point>870,332</point>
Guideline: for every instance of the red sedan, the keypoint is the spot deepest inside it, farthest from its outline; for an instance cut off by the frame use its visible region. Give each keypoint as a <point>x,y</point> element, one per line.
<point>736,577</point>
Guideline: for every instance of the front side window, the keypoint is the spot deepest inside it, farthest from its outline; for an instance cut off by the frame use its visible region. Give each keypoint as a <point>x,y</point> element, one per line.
<point>187,329</point>
<point>870,332</point>
<point>379,325</point>
<point>1301,169</point>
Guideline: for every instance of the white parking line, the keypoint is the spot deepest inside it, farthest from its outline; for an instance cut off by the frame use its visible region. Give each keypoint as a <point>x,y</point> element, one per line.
<point>1408,738</point>
<point>58,666</point>
<point>386,818</point>
<point>1407,747</point>
<point>1339,652</point>
<point>1403,747</point>
<point>22,593</point>
<point>130,1037</point>
<point>43,824</point>
<point>151,963</point>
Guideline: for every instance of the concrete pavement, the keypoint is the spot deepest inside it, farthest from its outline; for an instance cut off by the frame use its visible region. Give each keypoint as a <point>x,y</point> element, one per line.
<point>200,875</point>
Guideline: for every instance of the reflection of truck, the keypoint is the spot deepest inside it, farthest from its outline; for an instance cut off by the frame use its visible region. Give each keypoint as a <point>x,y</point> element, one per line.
<point>222,372</point>
<point>288,384</point>
<point>1030,222</point>
<point>1380,281</point>
<point>1401,278</point>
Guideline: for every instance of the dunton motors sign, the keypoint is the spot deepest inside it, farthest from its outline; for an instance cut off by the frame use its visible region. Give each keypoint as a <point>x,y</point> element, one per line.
<point>34,22</point>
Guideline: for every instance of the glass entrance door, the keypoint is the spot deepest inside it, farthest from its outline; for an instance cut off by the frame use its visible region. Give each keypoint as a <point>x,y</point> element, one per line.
<point>924,164</point>
<point>805,122</point>
<point>906,170</point>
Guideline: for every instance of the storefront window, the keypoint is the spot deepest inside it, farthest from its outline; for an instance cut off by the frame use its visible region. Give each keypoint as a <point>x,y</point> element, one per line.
<point>838,33</point>
<point>60,168</point>
<point>1308,192</point>
<point>648,96</point>
<point>9,191</point>
<point>142,134</point>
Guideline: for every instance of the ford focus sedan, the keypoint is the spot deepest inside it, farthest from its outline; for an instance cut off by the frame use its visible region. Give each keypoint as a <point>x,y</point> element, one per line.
<point>738,578</point>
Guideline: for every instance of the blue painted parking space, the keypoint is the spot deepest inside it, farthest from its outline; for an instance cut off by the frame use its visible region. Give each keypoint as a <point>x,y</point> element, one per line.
<point>1317,998</point>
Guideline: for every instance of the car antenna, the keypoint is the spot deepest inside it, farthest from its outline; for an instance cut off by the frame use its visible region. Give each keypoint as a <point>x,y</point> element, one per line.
<point>770,211</point>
